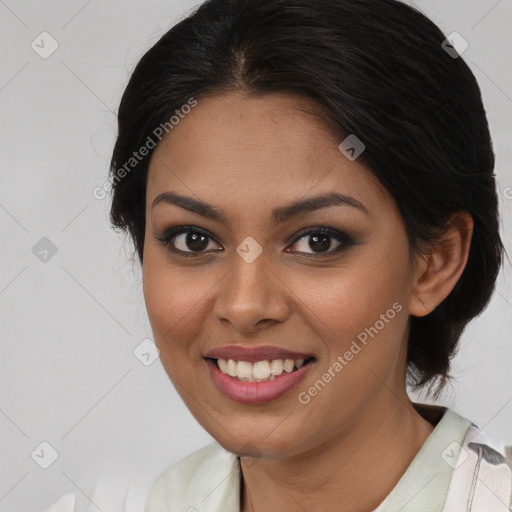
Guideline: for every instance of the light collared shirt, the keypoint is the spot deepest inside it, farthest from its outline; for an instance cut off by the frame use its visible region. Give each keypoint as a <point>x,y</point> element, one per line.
<point>456,470</point>
<point>209,480</point>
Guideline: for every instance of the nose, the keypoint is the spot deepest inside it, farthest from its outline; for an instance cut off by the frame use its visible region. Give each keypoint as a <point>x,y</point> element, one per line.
<point>252,296</point>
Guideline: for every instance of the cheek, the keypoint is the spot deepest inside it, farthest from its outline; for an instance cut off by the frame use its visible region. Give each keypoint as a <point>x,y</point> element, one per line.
<point>347,302</point>
<point>360,318</point>
<point>175,302</point>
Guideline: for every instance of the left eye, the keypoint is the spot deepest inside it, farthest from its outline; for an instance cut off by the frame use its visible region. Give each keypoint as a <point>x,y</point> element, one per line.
<point>319,240</point>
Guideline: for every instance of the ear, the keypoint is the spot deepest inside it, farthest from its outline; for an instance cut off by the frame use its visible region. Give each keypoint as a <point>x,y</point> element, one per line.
<point>437,272</point>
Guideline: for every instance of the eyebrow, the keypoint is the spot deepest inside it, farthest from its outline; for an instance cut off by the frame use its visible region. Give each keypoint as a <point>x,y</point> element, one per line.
<point>279,214</point>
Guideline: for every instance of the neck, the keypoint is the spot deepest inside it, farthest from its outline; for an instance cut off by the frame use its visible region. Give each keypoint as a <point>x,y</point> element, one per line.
<point>354,471</point>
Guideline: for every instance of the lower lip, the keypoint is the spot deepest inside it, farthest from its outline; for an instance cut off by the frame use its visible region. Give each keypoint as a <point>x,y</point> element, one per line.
<point>256,392</point>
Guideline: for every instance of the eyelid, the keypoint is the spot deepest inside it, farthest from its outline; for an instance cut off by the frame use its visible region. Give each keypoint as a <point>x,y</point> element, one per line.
<point>322,228</point>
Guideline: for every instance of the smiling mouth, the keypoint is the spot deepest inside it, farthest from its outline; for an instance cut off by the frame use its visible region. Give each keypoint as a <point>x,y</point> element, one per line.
<point>261,371</point>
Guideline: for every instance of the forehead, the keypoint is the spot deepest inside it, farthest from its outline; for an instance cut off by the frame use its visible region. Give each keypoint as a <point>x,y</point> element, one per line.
<point>260,147</point>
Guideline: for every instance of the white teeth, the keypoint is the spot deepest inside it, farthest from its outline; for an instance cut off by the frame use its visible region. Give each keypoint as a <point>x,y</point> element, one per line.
<point>223,365</point>
<point>260,371</point>
<point>276,367</point>
<point>231,367</point>
<point>244,370</point>
<point>288,365</point>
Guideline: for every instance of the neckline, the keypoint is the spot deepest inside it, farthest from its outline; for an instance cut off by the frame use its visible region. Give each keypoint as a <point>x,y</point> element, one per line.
<point>424,485</point>
<point>427,478</point>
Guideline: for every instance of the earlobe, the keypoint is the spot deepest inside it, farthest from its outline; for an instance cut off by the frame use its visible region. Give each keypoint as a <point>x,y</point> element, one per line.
<point>444,265</point>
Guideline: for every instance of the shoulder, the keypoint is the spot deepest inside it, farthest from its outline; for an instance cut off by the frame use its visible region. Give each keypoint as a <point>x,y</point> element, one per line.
<point>192,466</point>
<point>65,504</point>
<point>468,464</point>
<point>190,479</point>
<point>482,474</point>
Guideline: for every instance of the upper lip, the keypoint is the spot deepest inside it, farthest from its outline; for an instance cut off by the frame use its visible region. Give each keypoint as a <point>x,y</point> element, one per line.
<point>254,354</point>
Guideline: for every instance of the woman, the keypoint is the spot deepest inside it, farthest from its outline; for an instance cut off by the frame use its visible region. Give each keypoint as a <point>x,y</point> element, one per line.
<point>309,188</point>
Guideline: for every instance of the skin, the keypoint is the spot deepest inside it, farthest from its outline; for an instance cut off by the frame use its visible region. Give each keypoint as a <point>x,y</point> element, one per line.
<point>246,156</point>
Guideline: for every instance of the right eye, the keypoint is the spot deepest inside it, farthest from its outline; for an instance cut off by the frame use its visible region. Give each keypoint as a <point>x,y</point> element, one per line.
<point>179,239</point>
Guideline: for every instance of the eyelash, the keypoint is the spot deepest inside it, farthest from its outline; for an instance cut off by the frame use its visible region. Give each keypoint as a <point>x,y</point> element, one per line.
<point>345,240</point>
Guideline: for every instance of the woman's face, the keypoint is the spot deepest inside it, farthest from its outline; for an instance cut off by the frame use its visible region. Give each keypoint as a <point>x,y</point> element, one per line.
<point>255,279</point>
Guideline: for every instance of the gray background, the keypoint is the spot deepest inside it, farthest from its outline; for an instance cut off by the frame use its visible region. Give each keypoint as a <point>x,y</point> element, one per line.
<point>70,324</point>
